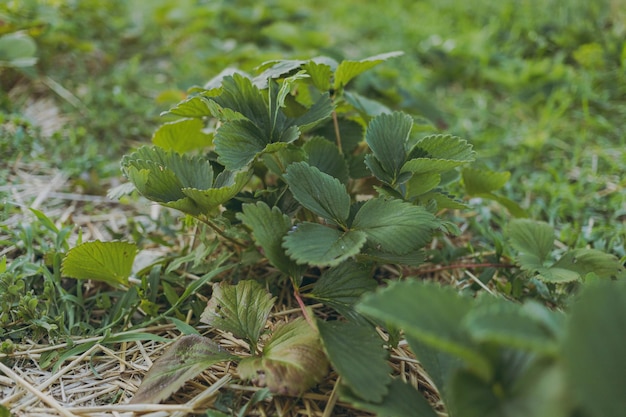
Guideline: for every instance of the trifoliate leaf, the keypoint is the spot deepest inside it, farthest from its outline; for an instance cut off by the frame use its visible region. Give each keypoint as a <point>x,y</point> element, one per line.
<point>534,240</point>
<point>292,360</point>
<point>110,262</point>
<point>445,148</point>
<point>479,181</point>
<point>347,70</point>
<point>357,354</point>
<point>394,225</point>
<point>342,286</point>
<point>315,244</point>
<point>241,309</point>
<point>594,348</point>
<point>431,314</point>
<point>321,193</point>
<point>183,360</point>
<point>241,95</point>
<point>182,135</point>
<point>387,136</point>
<point>402,401</point>
<point>269,226</point>
<point>324,155</point>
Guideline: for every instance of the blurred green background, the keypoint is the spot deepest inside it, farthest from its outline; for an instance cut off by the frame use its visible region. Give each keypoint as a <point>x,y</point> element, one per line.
<point>538,86</point>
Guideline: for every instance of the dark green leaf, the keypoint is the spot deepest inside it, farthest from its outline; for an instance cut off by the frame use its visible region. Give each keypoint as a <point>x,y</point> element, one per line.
<point>241,309</point>
<point>238,142</point>
<point>227,185</point>
<point>357,354</point>
<point>321,193</point>
<point>395,226</point>
<point>183,360</point>
<point>269,226</point>
<point>182,135</point>
<point>444,148</point>
<point>324,155</point>
<point>387,136</point>
<point>110,262</point>
<point>342,286</point>
<point>319,245</point>
<point>429,313</point>
<point>402,401</point>
<point>292,361</point>
<point>594,348</point>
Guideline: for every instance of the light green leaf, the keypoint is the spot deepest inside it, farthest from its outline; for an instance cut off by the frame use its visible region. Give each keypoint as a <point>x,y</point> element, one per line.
<point>387,136</point>
<point>318,245</point>
<point>357,354</point>
<point>342,286</point>
<point>241,309</point>
<point>110,262</point>
<point>555,275</point>
<point>321,193</point>
<point>422,183</point>
<point>183,360</point>
<point>276,69</point>
<point>324,155</point>
<point>585,261</point>
<point>227,185</point>
<point>594,348</point>
<point>182,135</point>
<point>269,226</point>
<point>367,107</point>
<point>402,401</point>
<point>483,180</point>
<point>507,324</point>
<point>347,70</point>
<point>320,73</point>
<point>394,225</point>
<point>292,362</point>
<point>18,49</point>
<point>534,240</point>
<point>196,106</point>
<point>430,314</point>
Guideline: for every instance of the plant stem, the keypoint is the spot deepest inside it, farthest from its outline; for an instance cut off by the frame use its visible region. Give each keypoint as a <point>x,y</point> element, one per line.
<point>337,134</point>
<point>221,233</point>
<point>461,266</point>
<point>296,294</point>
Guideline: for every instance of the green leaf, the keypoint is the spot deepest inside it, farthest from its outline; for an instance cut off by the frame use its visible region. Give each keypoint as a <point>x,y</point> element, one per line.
<point>483,180</point>
<point>402,401</point>
<point>367,107</point>
<point>238,142</point>
<point>269,226</point>
<point>420,184</point>
<point>506,323</point>
<point>182,135</point>
<point>241,309</point>
<point>444,148</point>
<point>387,136</point>
<point>394,225</point>
<point>324,155</point>
<point>586,261</point>
<point>227,185</point>
<point>17,49</point>
<point>4,412</point>
<point>526,386</point>
<point>347,70</point>
<point>342,286</point>
<point>320,74</point>
<point>183,360</point>
<point>429,313</point>
<point>320,245</point>
<point>535,241</point>
<point>594,348</point>
<point>110,262</point>
<point>196,106</point>
<point>292,362</point>
<point>357,354</point>
<point>321,193</point>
